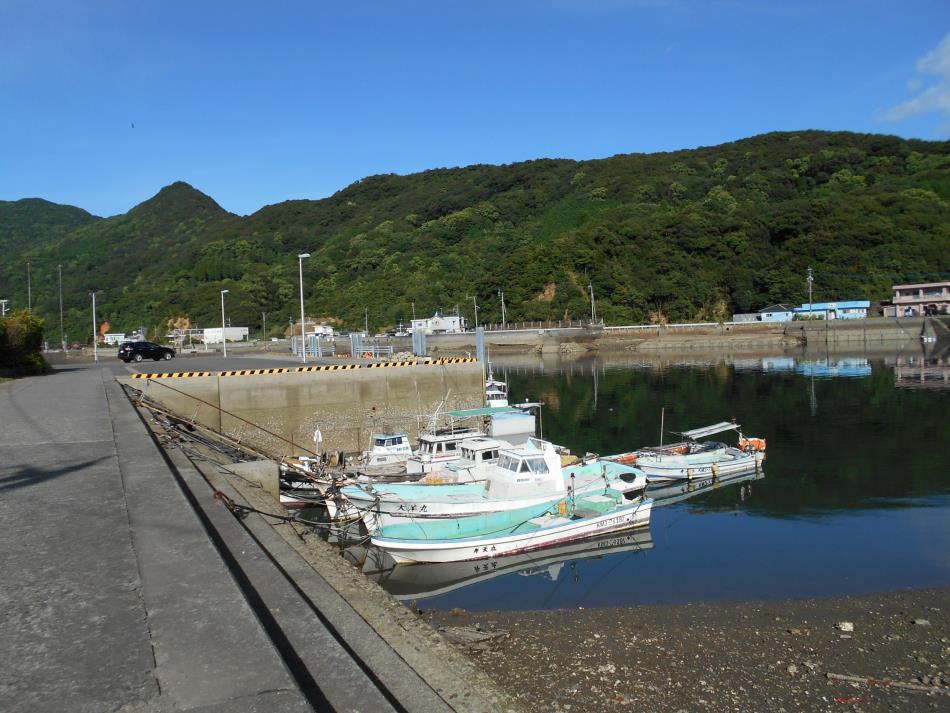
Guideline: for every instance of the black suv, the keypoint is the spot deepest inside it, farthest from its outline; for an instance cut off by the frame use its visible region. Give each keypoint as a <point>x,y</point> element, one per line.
<point>137,351</point>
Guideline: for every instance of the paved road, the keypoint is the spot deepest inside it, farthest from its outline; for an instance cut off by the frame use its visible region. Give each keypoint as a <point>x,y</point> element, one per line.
<point>112,594</point>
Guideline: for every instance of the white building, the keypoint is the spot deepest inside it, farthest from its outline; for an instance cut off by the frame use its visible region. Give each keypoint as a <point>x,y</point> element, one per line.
<point>234,334</point>
<point>439,324</point>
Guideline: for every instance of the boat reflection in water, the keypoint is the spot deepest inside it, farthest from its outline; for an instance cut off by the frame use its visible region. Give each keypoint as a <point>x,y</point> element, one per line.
<point>421,581</point>
<point>418,581</point>
<point>678,491</point>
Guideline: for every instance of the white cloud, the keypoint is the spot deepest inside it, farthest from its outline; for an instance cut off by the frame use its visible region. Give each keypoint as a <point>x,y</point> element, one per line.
<point>933,88</point>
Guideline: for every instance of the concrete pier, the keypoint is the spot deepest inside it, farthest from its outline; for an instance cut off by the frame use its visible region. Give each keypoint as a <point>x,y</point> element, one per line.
<point>347,402</point>
<point>127,587</point>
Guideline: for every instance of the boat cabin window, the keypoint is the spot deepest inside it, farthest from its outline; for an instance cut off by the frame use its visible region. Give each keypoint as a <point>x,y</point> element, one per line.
<point>536,465</point>
<point>490,455</point>
<point>450,446</point>
<point>380,442</point>
<point>508,462</point>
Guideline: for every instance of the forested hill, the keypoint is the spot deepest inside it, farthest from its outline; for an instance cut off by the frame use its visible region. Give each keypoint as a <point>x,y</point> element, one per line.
<point>689,235</point>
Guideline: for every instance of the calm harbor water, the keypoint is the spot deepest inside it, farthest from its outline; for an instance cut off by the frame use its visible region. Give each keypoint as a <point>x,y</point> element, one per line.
<point>855,495</point>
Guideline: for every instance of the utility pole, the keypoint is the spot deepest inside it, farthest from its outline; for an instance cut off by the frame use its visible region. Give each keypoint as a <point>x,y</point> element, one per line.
<point>475,302</point>
<point>29,288</point>
<point>303,320</point>
<point>224,333</point>
<point>593,308</point>
<point>62,335</point>
<point>366,321</point>
<point>95,327</point>
<point>264,328</point>
<point>810,279</point>
<point>3,308</point>
<point>502,295</point>
<point>413,310</point>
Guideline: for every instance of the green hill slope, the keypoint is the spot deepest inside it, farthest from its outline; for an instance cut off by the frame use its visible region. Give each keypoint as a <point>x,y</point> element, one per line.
<point>682,236</point>
<point>32,222</point>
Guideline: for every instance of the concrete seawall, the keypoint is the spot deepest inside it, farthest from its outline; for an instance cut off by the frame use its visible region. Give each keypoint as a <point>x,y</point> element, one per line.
<point>279,412</point>
<point>863,331</point>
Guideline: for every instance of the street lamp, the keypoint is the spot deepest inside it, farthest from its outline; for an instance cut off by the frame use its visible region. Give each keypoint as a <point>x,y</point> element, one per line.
<point>303,322</point>
<point>593,308</point>
<point>475,302</point>
<point>224,336</point>
<point>95,327</point>
<point>502,295</point>
<point>62,335</point>
<point>29,289</point>
<point>366,321</point>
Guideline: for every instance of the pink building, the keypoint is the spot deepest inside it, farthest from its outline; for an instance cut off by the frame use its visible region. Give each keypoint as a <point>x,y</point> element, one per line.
<point>921,299</point>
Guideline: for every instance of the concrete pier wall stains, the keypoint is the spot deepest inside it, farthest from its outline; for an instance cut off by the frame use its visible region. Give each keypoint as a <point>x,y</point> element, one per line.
<point>347,406</point>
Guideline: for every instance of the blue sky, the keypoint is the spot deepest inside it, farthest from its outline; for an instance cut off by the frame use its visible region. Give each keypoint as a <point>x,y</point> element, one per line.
<point>255,103</point>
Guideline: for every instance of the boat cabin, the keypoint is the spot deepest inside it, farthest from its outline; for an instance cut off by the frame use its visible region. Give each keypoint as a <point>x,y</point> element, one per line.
<point>525,471</point>
<point>388,448</point>
<point>480,450</point>
<point>438,448</point>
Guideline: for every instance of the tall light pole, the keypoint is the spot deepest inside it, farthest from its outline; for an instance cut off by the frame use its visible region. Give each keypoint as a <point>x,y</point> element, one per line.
<point>29,288</point>
<point>95,327</point>
<point>303,319</point>
<point>475,302</point>
<point>366,320</point>
<point>62,335</point>
<point>810,279</point>
<point>502,295</point>
<point>224,335</point>
<point>593,308</point>
<point>264,328</point>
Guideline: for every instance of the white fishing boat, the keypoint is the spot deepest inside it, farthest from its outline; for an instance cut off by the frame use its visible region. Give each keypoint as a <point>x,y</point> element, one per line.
<point>438,447</point>
<point>523,483</point>
<point>390,448</point>
<point>691,459</point>
<point>591,516</point>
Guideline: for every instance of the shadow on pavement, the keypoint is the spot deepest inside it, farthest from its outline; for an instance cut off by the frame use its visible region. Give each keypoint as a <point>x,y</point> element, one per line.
<point>34,476</point>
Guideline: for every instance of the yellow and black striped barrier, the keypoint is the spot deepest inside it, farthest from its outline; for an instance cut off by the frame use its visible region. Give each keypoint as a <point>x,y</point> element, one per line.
<point>324,367</point>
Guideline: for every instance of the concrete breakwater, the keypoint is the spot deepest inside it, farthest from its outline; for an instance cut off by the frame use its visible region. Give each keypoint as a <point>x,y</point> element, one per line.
<point>279,412</point>
<point>734,337</point>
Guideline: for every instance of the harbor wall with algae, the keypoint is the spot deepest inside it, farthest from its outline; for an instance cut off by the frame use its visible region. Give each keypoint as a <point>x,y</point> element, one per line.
<point>278,410</point>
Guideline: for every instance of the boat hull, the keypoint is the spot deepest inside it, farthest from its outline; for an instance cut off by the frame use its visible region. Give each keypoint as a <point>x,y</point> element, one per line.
<point>557,531</point>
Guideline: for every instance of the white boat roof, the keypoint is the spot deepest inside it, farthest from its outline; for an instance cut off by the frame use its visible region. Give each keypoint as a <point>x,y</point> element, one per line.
<point>460,435</point>
<point>479,444</point>
<point>709,430</point>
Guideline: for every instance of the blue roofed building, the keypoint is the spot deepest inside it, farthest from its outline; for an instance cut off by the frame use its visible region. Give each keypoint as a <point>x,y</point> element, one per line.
<point>850,309</point>
<point>776,313</point>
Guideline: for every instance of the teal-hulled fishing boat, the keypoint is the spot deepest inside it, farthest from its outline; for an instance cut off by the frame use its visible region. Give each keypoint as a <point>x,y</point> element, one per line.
<point>521,484</point>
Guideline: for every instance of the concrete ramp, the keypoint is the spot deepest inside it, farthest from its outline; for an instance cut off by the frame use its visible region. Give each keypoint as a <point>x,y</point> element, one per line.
<point>278,410</point>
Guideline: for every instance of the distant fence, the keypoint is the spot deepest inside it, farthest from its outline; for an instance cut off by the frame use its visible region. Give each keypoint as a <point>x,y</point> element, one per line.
<point>686,326</point>
<point>542,324</point>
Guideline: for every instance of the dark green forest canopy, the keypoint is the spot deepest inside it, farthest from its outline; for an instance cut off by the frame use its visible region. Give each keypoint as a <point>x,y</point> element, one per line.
<point>690,235</point>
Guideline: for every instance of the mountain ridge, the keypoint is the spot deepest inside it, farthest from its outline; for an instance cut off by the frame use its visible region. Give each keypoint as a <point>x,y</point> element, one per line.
<point>682,235</point>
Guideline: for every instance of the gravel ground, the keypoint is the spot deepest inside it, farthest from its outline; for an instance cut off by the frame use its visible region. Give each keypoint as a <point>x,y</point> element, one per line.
<point>773,656</point>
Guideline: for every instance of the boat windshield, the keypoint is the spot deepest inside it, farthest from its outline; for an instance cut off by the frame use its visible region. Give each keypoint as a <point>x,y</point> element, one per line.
<point>535,465</point>
<point>508,462</point>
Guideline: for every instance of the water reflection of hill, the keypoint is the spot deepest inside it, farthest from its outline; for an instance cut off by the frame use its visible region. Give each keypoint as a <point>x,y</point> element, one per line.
<point>835,442</point>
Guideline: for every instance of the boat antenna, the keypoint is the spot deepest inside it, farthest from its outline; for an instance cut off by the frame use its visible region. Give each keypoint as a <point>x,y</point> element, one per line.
<point>662,419</point>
